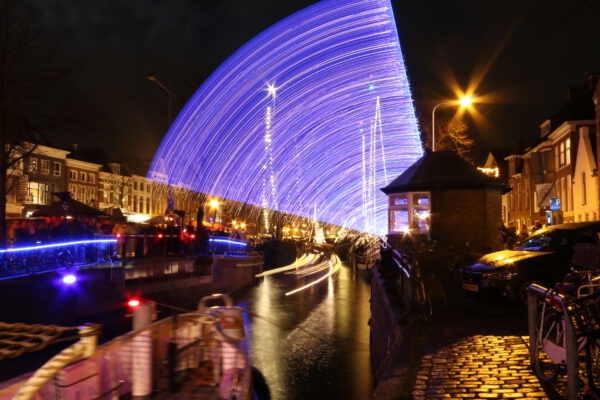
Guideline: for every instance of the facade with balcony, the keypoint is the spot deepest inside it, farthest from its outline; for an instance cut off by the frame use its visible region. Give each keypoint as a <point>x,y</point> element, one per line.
<point>556,181</point>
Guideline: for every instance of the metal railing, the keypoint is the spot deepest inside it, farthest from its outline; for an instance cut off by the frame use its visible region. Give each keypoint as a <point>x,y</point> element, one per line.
<point>43,257</point>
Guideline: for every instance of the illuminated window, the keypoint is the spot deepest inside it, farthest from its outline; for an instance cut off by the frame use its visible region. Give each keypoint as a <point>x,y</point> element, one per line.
<point>45,167</point>
<point>583,188</point>
<point>33,164</point>
<point>56,169</point>
<point>38,193</point>
<point>410,212</point>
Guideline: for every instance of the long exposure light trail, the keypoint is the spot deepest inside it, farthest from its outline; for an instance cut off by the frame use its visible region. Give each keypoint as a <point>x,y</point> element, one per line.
<point>336,73</point>
<point>306,259</point>
<point>334,266</point>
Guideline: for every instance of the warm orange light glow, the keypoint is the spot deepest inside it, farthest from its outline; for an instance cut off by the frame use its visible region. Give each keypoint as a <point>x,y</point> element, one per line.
<point>465,101</point>
<point>214,203</point>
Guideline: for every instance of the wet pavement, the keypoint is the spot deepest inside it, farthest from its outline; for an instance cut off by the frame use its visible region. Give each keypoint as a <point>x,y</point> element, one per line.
<point>476,350</point>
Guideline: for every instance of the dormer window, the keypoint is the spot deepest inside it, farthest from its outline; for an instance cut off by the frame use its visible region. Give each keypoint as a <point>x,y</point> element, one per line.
<point>545,128</point>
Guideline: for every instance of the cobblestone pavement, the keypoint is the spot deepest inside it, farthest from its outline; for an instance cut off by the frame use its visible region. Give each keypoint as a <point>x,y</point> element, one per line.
<point>476,350</point>
<point>478,367</point>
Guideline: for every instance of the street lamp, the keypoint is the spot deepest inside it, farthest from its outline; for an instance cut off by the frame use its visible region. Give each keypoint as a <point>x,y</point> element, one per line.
<point>464,101</point>
<point>172,96</point>
<point>214,204</point>
<point>153,78</point>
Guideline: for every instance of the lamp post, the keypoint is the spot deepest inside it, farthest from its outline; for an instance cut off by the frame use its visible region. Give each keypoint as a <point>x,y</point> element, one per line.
<point>214,204</point>
<point>172,95</point>
<point>464,101</point>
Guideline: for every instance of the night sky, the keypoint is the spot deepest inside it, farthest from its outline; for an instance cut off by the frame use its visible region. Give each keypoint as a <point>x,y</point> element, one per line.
<point>522,55</point>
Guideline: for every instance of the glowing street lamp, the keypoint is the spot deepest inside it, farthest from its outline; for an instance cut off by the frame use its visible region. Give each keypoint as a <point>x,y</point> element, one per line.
<point>214,204</point>
<point>465,101</point>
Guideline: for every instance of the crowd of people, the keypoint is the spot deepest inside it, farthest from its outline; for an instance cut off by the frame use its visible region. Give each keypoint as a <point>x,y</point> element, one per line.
<point>41,230</point>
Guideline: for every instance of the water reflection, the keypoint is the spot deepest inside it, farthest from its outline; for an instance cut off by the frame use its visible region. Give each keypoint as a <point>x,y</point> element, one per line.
<point>315,343</point>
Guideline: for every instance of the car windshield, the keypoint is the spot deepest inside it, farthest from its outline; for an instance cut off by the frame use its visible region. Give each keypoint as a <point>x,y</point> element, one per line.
<point>547,241</point>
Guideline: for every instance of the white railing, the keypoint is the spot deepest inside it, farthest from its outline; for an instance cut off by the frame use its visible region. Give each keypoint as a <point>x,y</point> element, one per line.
<point>159,357</point>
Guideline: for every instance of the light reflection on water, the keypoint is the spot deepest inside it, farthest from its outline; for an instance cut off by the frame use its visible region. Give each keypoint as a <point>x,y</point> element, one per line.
<point>313,344</point>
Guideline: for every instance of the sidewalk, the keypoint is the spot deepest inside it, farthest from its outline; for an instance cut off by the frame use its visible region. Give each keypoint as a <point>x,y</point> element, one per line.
<point>473,350</point>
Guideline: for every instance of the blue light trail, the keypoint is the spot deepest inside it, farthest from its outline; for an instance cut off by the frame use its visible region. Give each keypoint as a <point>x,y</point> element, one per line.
<point>53,245</point>
<point>313,113</point>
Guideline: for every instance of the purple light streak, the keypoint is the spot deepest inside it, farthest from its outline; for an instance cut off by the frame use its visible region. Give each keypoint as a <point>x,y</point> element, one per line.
<point>340,124</point>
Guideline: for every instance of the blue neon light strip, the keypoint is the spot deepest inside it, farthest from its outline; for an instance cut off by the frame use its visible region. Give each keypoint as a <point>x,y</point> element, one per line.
<point>228,241</point>
<point>313,113</point>
<point>48,246</point>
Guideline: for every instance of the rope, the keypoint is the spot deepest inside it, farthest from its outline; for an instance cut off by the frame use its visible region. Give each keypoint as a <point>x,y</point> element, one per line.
<point>48,370</point>
<point>18,338</point>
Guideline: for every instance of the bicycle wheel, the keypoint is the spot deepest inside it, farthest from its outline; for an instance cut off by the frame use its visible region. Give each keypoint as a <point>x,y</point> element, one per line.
<point>424,306</point>
<point>548,352</point>
<point>592,365</point>
<point>65,258</point>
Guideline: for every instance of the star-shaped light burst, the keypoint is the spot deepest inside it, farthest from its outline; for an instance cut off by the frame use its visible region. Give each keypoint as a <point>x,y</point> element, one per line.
<point>272,90</point>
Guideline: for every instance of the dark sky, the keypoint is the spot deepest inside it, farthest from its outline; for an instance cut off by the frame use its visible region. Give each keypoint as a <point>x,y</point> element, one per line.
<point>524,54</point>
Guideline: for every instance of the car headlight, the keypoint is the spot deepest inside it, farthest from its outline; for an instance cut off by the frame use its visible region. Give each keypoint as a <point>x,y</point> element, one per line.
<point>501,275</point>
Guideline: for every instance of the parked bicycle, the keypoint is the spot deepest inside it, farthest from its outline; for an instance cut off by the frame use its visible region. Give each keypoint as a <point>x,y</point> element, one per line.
<point>561,315</point>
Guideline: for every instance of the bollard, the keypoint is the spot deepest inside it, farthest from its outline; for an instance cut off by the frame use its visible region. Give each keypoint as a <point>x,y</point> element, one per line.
<point>141,385</point>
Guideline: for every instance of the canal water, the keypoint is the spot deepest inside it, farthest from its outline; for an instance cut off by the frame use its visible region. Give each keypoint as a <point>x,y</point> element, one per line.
<point>313,344</point>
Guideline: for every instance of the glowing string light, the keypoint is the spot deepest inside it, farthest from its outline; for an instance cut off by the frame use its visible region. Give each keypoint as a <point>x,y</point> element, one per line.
<point>54,245</point>
<point>327,66</point>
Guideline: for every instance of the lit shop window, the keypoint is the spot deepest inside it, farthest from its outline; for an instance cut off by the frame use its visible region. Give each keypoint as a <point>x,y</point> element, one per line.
<point>410,212</point>
<point>37,193</point>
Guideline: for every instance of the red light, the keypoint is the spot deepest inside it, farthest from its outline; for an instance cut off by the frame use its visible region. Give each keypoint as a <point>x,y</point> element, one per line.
<point>193,236</point>
<point>133,303</point>
<point>160,235</point>
<point>118,235</point>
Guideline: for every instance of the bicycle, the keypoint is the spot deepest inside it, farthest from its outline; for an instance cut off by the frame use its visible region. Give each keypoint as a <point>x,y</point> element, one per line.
<point>428,292</point>
<point>549,350</point>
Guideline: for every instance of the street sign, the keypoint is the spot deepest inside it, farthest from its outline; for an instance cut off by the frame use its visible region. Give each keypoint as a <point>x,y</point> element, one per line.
<point>555,204</point>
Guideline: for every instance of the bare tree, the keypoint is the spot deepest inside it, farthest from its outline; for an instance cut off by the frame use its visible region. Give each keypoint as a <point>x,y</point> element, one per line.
<point>28,71</point>
<point>454,136</point>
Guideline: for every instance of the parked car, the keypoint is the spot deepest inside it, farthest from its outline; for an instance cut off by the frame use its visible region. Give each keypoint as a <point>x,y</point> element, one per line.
<point>543,257</point>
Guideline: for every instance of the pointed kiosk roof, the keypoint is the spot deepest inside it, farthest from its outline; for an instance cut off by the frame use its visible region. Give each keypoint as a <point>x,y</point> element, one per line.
<point>441,170</point>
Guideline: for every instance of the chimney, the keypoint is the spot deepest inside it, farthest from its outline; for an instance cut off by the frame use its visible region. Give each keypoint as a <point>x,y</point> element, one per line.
<point>74,146</point>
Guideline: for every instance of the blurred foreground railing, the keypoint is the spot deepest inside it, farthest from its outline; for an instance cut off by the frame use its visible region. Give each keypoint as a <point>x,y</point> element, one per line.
<point>203,351</point>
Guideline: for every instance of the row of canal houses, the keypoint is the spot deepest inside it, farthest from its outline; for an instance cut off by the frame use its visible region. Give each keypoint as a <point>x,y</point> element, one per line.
<point>93,179</point>
<point>556,179</point>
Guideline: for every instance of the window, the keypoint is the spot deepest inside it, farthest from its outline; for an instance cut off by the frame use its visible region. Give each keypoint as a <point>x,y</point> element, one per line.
<point>568,151</point>
<point>33,164</point>
<point>583,189</point>
<point>73,175</point>
<point>83,176</point>
<point>38,193</point>
<point>92,178</point>
<point>563,153</point>
<point>410,211</point>
<point>45,167</point>
<point>56,169</point>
